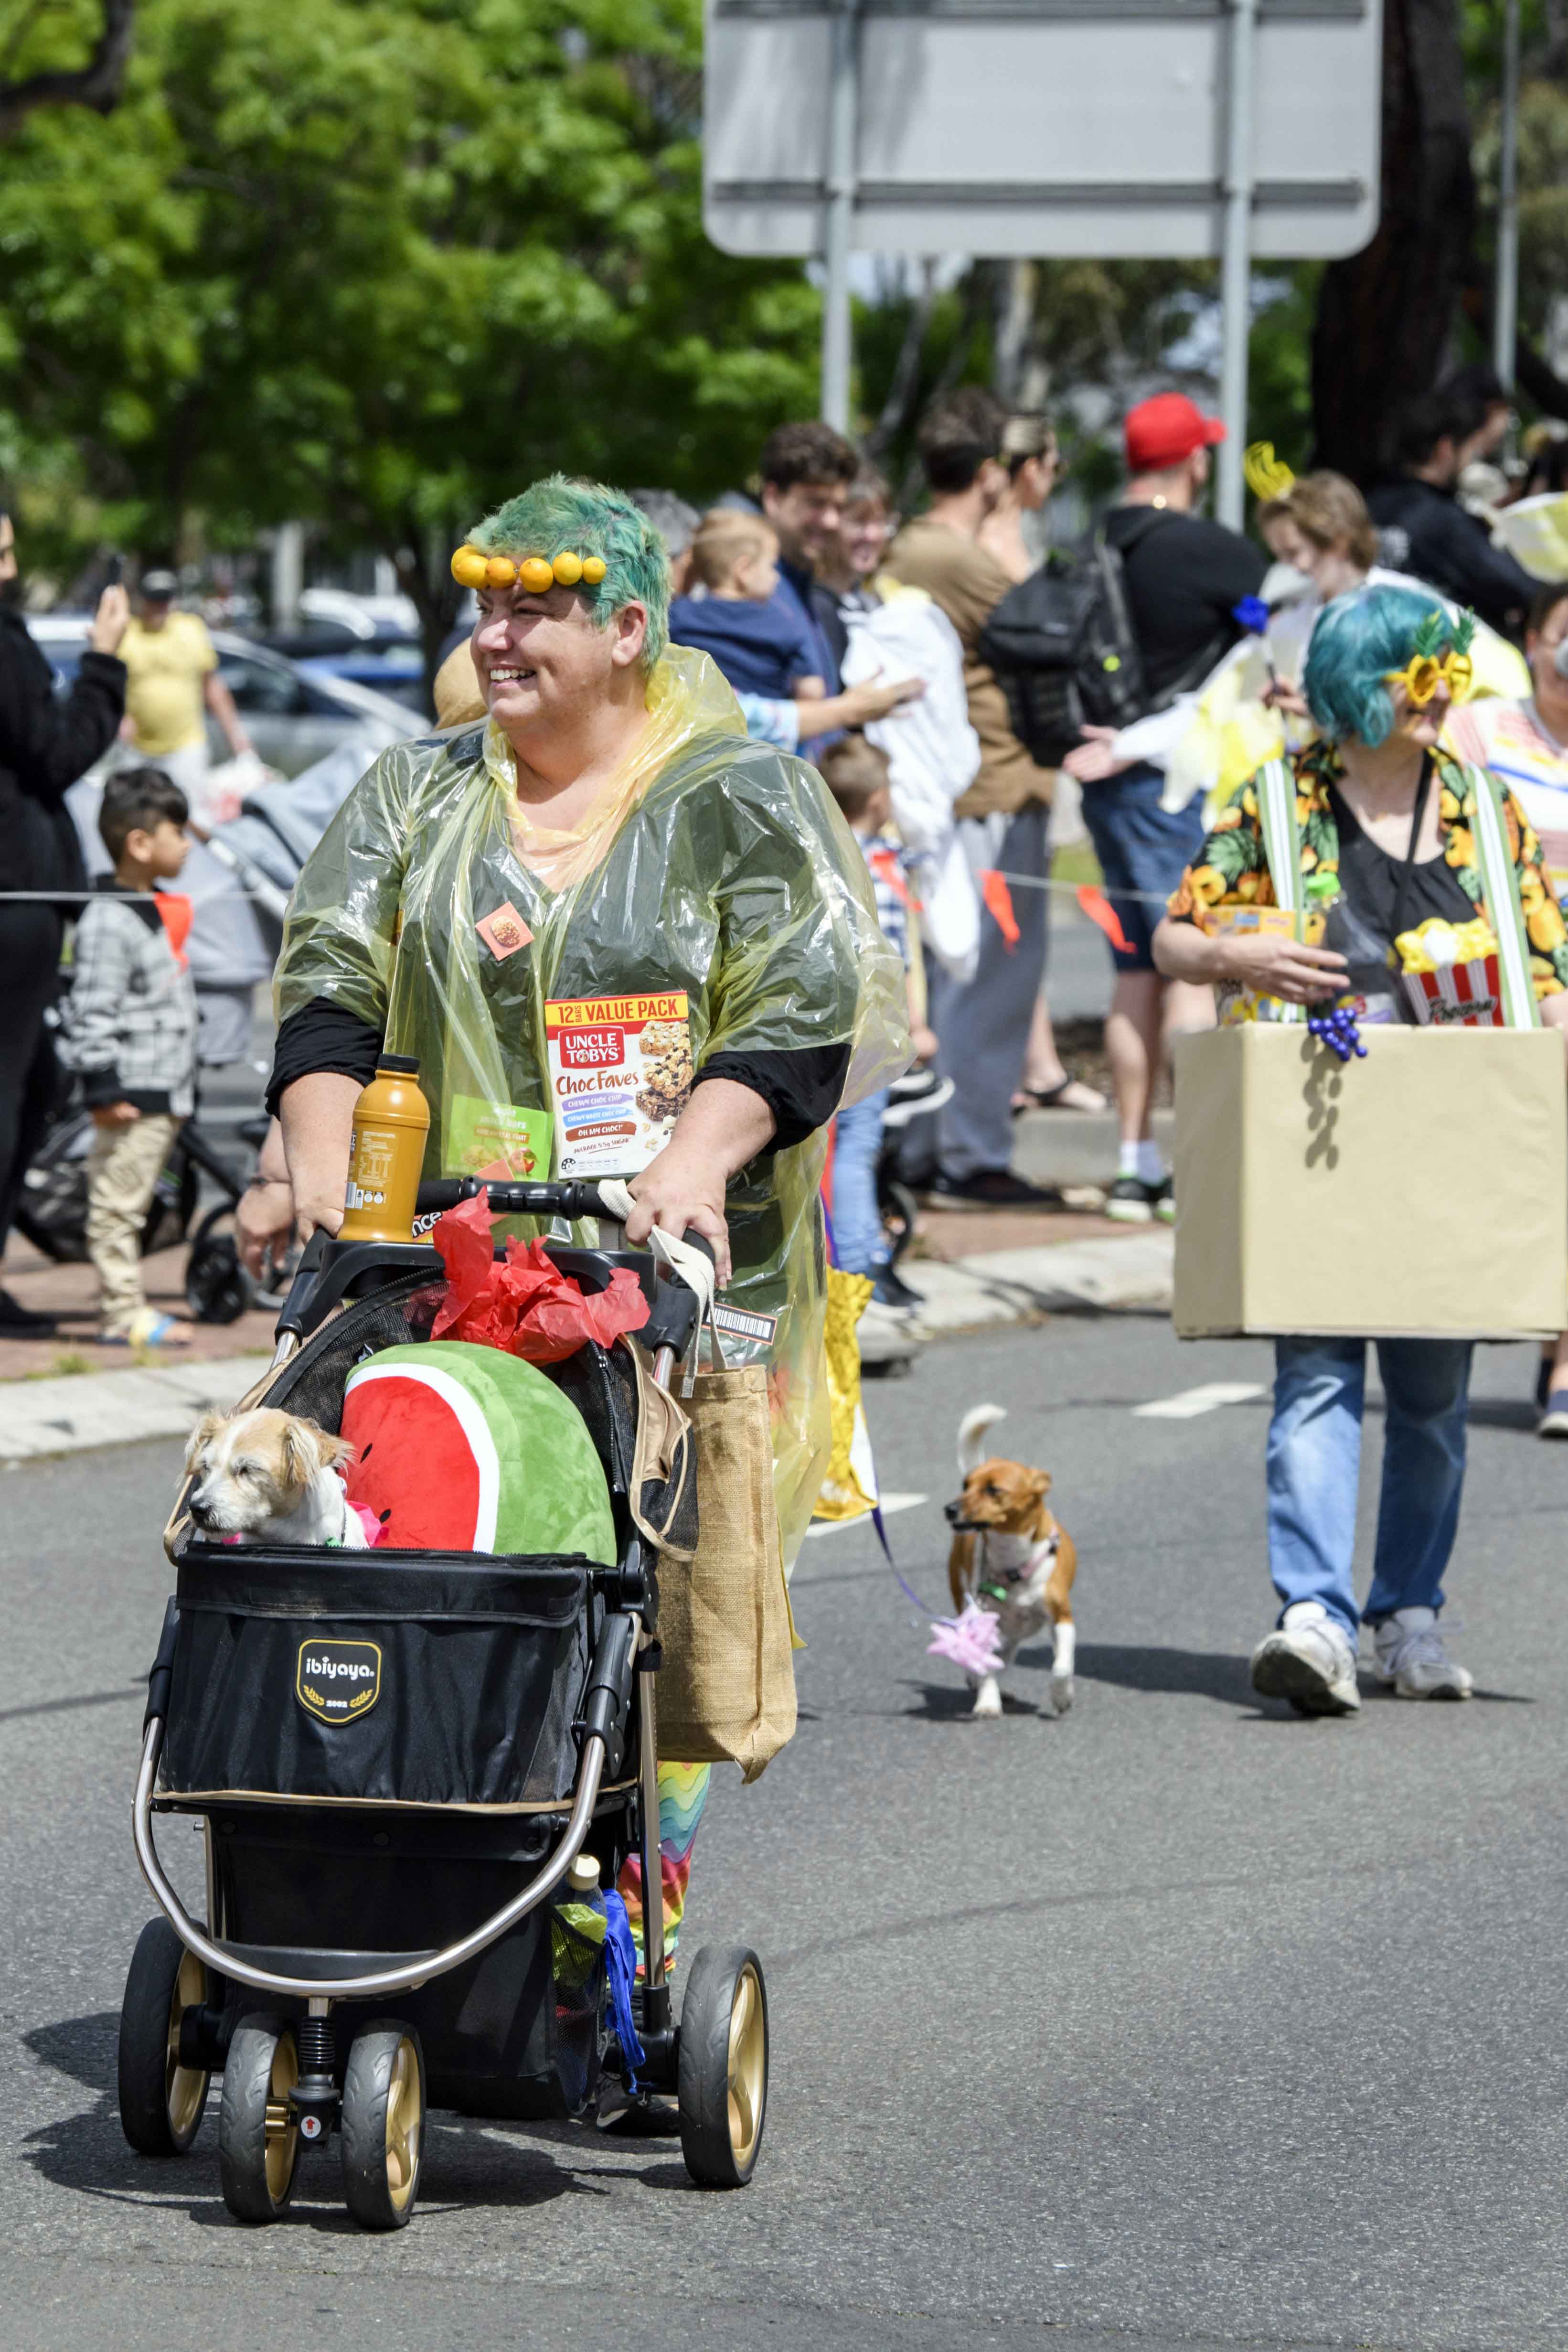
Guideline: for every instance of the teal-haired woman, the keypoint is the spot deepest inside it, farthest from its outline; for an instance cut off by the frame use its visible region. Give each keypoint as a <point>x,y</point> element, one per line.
<point>604,849</point>
<point>1392,832</point>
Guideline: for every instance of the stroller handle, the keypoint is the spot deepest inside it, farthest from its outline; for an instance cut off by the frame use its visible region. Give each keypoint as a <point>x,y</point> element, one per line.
<point>508,1198</point>
<point>328,1268</point>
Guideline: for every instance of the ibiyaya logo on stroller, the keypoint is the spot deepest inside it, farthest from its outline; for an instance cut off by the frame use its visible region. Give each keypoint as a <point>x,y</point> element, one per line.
<point>337,1682</point>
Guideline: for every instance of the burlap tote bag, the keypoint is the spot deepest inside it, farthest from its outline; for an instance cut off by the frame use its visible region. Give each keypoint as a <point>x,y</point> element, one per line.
<point>727,1690</point>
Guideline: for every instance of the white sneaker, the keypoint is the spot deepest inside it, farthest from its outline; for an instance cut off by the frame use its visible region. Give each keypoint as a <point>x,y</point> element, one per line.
<point>1411,1655</point>
<point>1308,1659</point>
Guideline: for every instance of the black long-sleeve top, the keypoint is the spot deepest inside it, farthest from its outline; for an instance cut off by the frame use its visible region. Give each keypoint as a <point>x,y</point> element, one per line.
<point>1452,551</point>
<point>46,741</point>
<point>801,1089</point>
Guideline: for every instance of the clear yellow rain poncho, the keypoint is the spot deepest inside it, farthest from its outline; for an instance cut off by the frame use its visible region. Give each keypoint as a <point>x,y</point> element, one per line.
<point>716,901</point>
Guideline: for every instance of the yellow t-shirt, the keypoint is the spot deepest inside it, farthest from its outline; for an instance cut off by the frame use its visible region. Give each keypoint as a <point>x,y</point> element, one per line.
<point>164,690</point>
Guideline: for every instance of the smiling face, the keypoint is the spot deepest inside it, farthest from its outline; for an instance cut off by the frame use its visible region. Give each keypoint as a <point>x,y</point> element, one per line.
<point>808,517</point>
<point>864,536</point>
<point>541,662</point>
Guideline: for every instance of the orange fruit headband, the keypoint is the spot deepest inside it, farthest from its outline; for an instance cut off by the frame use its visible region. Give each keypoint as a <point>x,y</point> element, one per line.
<point>535,572</point>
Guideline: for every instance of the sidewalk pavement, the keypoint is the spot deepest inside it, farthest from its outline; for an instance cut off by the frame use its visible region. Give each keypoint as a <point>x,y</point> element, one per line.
<point>69,1293</point>
<point>64,1393</point>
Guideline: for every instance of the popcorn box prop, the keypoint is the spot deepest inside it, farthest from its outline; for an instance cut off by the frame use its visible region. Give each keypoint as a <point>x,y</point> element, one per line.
<point>1458,995</point>
<point>1452,974</point>
<point>1420,1194</point>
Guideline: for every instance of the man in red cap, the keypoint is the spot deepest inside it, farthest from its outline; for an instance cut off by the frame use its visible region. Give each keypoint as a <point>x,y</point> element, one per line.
<point>1183,576</point>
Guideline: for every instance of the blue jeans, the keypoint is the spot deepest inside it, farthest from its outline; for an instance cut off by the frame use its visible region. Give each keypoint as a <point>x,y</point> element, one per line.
<point>858,1235</point>
<point>1315,1464</point>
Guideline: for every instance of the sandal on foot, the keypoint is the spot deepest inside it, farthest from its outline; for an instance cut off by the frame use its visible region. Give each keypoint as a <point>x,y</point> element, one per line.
<point>150,1329</point>
<point>1069,1094</point>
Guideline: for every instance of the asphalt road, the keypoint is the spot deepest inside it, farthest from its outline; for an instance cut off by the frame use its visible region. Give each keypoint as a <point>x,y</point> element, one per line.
<point>1176,2021</point>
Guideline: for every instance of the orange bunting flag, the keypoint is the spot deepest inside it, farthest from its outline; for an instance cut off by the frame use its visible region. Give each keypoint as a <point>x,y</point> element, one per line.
<point>1099,910</point>
<point>999,904</point>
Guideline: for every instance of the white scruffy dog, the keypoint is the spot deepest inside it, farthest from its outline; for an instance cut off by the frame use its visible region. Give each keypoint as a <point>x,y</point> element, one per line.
<point>269,1477</point>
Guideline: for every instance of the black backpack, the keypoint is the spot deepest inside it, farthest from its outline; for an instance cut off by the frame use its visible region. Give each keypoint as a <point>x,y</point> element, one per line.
<point>1063,652</point>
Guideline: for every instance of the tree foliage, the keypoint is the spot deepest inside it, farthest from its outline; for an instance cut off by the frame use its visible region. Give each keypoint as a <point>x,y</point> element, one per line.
<point>375,263</point>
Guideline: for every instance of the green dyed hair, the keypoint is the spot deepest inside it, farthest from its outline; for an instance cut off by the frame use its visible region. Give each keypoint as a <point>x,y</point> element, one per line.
<point>558,515</point>
<point>1359,640</point>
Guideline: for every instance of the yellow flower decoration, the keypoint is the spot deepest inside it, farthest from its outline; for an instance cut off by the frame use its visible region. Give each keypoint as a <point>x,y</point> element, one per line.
<point>1267,476</point>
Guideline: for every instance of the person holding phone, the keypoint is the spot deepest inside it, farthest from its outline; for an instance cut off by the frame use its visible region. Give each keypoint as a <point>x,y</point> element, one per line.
<point>46,741</point>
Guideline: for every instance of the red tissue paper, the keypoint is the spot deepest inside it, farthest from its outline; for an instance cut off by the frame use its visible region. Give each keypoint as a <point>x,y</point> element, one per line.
<point>523,1302</point>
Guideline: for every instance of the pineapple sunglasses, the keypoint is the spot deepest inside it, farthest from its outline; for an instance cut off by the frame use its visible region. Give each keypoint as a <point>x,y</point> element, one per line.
<point>1428,671</point>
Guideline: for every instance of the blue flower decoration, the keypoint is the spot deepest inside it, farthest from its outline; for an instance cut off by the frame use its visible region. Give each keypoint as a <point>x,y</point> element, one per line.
<point>1252,613</point>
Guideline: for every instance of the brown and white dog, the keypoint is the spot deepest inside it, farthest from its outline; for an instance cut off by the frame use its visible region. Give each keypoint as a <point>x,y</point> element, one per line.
<point>265,1476</point>
<point>1011,1557</point>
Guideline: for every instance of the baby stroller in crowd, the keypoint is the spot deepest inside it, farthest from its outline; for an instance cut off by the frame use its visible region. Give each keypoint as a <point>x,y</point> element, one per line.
<point>384,1928</point>
<point>52,1210</point>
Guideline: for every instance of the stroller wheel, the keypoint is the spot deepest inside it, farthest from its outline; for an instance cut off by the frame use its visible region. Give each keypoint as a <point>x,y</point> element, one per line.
<point>382,2124</point>
<point>160,2102</point>
<point>723,2073</point>
<point>258,2132</point>
<point>217,1287</point>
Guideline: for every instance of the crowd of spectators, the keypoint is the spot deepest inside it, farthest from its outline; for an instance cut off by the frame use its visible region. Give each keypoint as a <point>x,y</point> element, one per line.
<point>852,634</point>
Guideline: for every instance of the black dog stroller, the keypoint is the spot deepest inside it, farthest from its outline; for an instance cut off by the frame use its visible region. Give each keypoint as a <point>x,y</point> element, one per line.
<point>385,1891</point>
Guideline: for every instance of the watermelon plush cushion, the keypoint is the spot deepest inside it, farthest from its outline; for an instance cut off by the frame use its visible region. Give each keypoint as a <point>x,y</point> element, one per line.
<point>460,1448</point>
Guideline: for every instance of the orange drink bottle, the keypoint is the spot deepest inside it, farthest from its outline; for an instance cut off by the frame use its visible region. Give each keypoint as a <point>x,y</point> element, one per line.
<point>386,1154</point>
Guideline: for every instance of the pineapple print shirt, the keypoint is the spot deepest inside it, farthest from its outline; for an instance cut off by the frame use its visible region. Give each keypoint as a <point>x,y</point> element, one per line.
<point>1231,869</point>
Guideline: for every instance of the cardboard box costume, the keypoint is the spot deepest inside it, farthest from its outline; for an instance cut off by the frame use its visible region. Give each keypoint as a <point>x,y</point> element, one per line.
<point>1421,1193</point>
<point>721,893</point>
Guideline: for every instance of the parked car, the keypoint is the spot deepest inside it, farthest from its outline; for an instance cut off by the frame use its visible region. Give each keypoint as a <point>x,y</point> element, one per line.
<point>387,664</point>
<point>293,715</point>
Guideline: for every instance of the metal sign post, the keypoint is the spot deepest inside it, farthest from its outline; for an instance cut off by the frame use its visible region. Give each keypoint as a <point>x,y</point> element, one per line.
<point>1235,129</point>
<point>1505,304</point>
<point>1236,266</point>
<point>843,123</point>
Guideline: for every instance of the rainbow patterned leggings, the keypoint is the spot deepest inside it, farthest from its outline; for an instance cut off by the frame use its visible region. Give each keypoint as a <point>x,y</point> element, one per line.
<point>683,1793</point>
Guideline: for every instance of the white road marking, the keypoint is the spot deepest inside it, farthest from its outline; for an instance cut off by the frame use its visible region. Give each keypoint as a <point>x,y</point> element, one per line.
<point>1188,1402</point>
<point>890,1503</point>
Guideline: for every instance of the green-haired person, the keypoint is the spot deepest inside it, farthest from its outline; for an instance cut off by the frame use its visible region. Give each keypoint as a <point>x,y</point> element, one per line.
<point>622,940</point>
<point>604,853</point>
<point>1391,832</point>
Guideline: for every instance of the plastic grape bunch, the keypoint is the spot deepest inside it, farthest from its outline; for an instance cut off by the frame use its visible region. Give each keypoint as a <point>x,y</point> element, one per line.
<point>1338,1032</point>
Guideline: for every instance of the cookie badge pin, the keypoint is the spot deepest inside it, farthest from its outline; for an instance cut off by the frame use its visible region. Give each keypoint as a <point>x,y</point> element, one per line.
<point>503,932</point>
